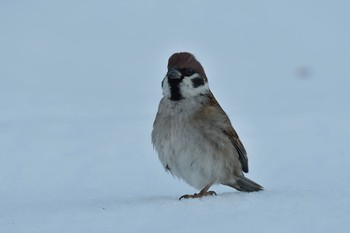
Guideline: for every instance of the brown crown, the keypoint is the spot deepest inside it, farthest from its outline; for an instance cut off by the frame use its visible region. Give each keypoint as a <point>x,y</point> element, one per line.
<point>186,60</point>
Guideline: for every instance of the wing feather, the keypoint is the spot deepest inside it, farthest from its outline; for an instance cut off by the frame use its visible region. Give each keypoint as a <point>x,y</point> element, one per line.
<point>232,134</point>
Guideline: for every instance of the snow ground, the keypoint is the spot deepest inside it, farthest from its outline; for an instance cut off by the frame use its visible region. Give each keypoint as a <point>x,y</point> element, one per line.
<point>80,85</point>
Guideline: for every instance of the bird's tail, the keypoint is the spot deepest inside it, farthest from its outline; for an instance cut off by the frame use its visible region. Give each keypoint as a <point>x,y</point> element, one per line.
<point>245,185</point>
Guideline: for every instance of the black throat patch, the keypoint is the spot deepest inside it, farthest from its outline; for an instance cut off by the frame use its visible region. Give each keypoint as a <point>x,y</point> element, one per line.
<point>175,94</point>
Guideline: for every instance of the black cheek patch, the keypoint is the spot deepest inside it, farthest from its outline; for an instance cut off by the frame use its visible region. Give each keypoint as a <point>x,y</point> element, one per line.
<point>196,82</point>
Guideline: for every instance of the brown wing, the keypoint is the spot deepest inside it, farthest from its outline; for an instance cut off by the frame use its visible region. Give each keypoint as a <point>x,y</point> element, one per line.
<point>231,133</point>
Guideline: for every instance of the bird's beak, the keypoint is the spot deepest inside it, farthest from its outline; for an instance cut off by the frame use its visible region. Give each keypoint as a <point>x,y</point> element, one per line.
<point>173,73</point>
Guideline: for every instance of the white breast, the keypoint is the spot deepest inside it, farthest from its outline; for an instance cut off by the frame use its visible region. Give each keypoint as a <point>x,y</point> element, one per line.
<point>189,151</point>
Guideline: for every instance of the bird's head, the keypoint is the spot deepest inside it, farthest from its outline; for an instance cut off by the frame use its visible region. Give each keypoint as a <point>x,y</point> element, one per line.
<point>185,77</point>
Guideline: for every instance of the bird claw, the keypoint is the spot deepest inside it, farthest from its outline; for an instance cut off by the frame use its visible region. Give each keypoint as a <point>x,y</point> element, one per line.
<point>198,195</point>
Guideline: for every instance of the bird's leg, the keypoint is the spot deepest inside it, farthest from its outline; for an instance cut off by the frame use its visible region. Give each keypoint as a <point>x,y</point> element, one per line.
<point>203,193</point>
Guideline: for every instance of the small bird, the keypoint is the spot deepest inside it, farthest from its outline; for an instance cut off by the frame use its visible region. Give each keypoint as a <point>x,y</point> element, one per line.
<point>193,135</point>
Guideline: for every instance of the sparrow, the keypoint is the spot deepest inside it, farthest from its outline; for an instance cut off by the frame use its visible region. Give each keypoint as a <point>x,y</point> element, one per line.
<point>193,135</point>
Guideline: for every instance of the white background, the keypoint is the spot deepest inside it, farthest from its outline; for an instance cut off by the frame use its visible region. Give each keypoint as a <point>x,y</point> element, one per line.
<point>79,90</point>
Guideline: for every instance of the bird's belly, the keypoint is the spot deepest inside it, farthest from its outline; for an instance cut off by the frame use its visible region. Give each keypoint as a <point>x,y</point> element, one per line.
<point>191,169</point>
<point>189,156</point>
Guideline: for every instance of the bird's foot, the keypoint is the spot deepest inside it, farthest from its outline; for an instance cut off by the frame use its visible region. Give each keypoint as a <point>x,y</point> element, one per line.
<point>198,195</point>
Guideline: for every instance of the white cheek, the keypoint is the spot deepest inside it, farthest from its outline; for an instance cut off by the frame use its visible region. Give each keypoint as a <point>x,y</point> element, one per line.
<point>187,89</point>
<point>166,88</point>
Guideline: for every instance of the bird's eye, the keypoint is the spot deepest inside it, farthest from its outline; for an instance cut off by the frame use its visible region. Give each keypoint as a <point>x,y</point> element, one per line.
<point>187,71</point>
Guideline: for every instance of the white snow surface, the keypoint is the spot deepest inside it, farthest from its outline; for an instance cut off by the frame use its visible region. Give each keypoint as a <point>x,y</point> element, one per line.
<point>80,87</point>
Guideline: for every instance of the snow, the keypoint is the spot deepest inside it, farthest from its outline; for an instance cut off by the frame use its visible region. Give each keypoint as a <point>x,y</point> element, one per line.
<point>80,86</point>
